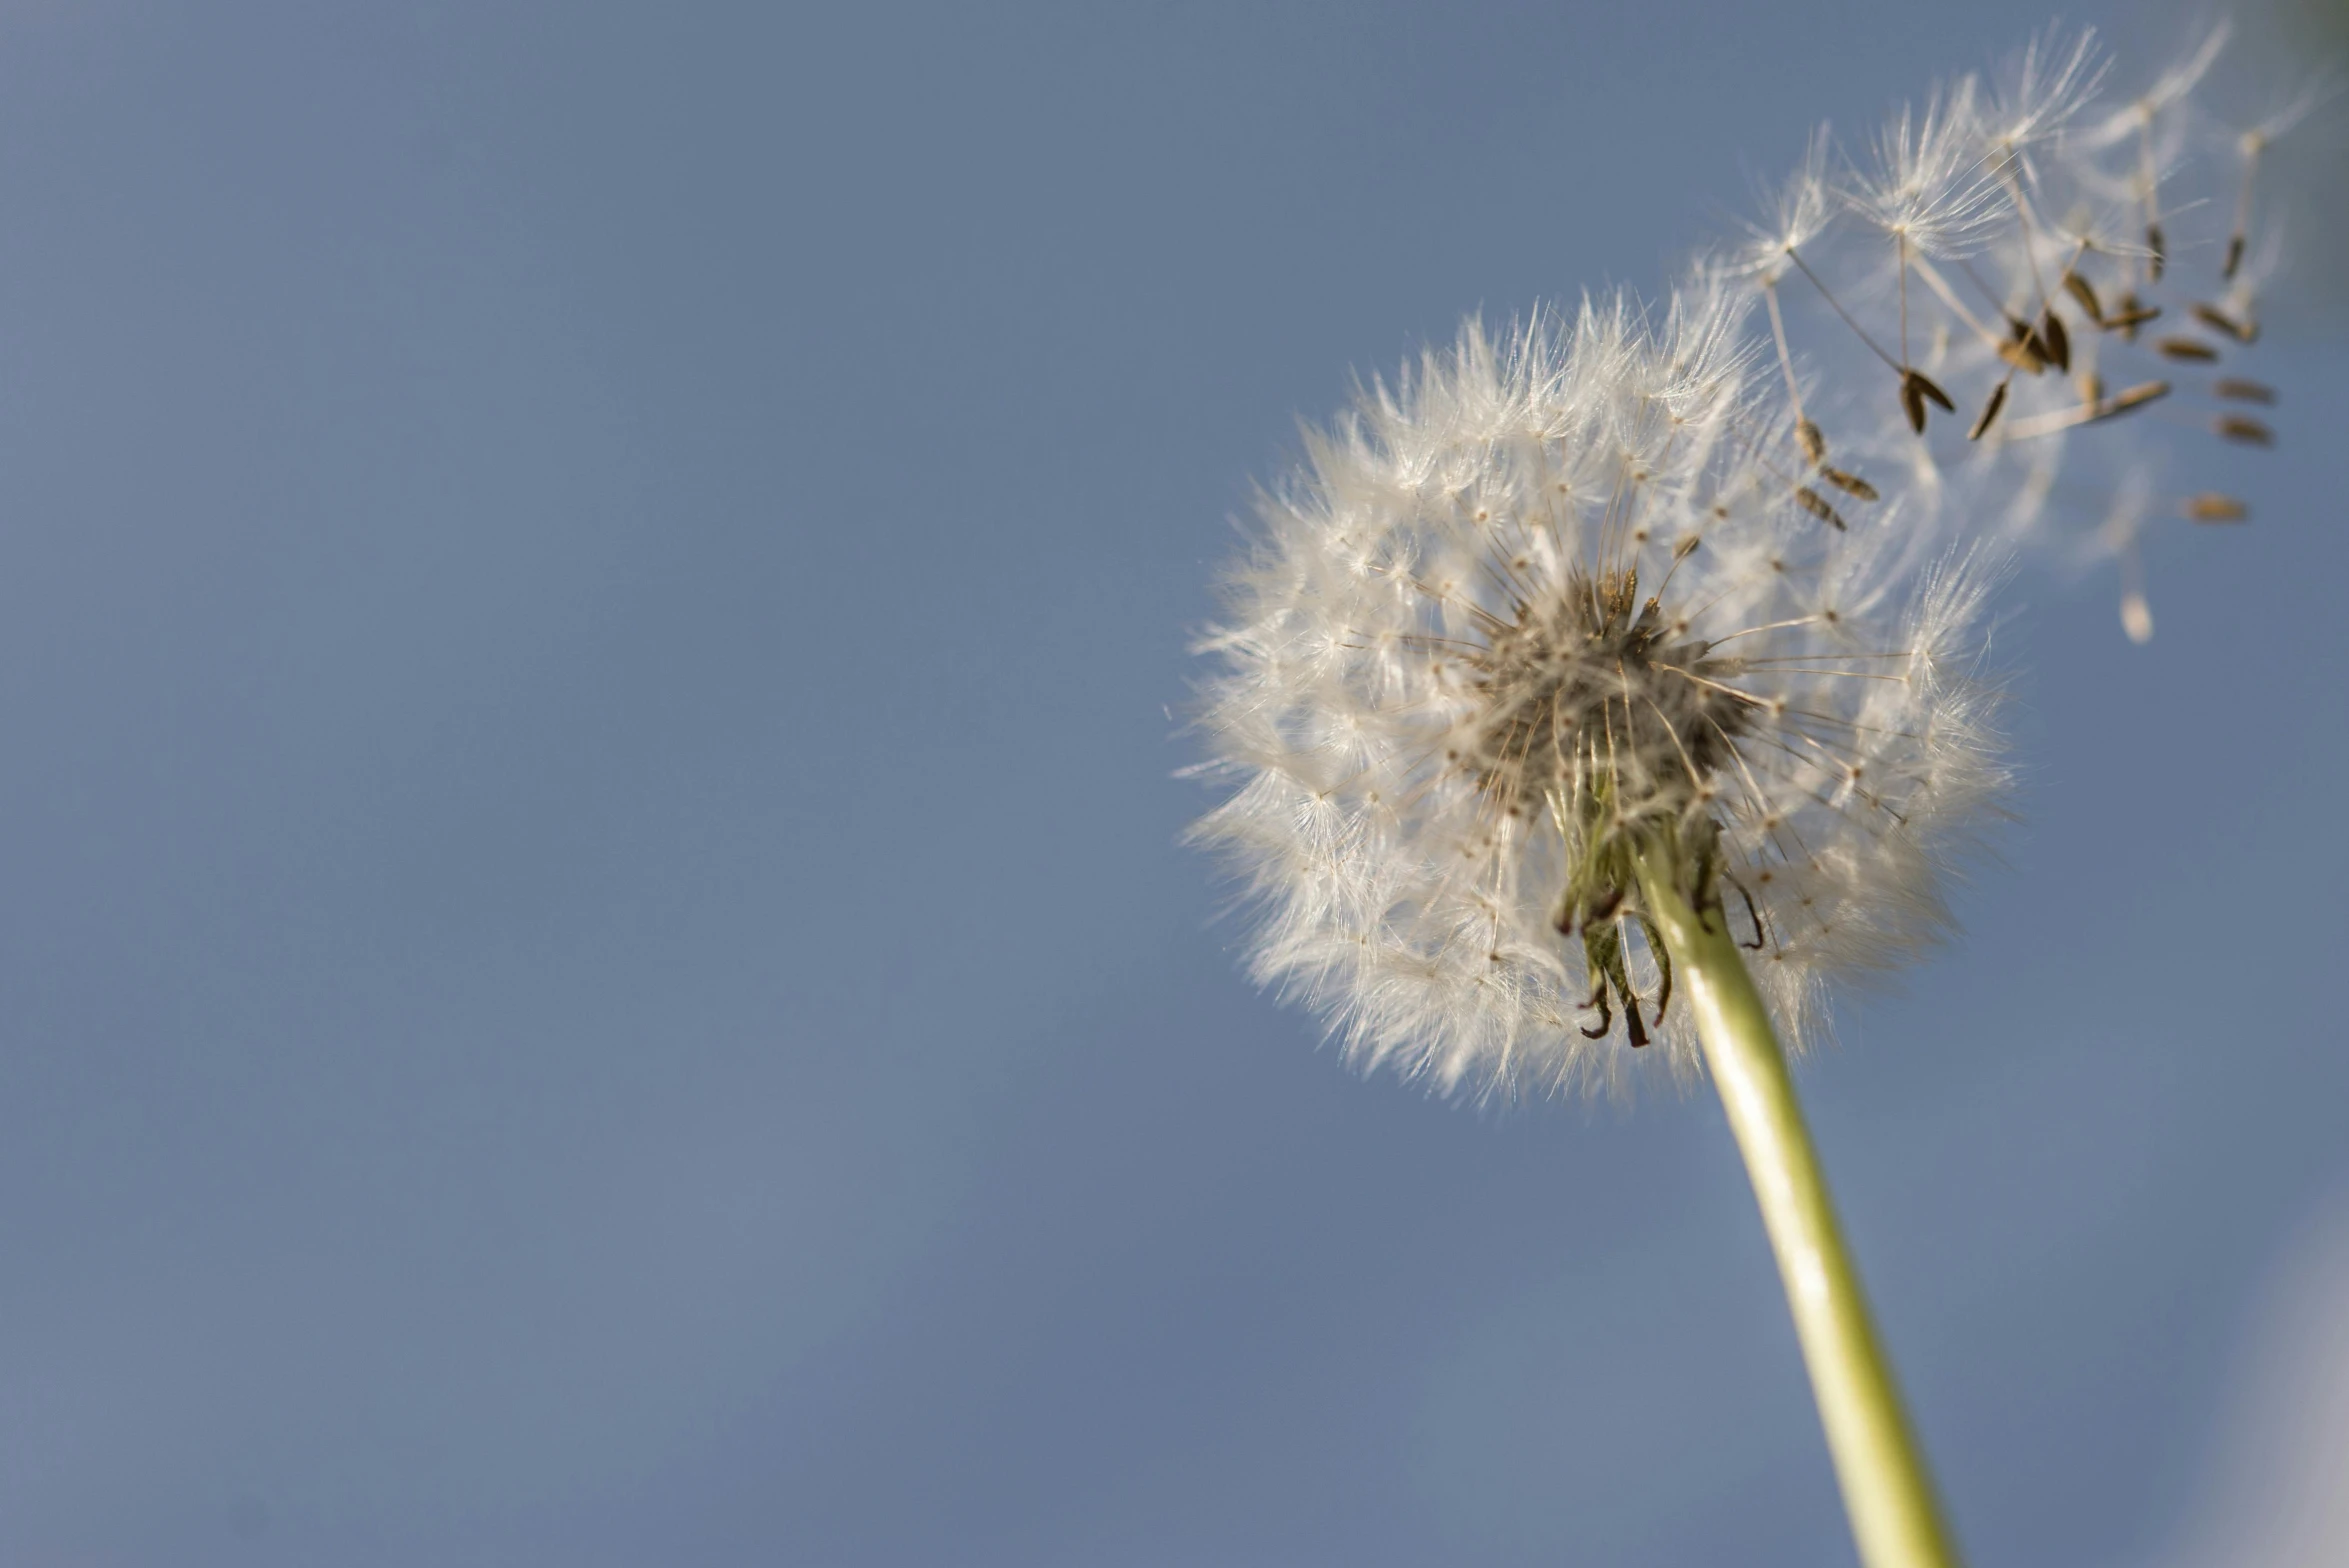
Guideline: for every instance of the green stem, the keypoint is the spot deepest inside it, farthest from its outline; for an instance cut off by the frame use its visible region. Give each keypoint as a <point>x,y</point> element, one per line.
<point>1895,1517</point>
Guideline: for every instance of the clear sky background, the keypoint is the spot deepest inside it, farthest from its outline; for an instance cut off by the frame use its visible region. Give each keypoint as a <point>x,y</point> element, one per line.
<point>594,967</point>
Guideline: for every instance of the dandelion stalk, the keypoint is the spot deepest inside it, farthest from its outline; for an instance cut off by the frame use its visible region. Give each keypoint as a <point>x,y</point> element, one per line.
<point>1895,1516</point>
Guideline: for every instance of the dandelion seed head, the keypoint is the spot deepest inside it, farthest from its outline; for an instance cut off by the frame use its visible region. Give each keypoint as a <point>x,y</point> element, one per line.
<point>1543,601</point>
<point>1698,586</point>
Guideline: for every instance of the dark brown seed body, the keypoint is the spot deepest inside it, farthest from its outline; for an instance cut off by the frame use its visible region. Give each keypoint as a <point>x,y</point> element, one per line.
<point>1989,413</point>
<point>2078,287</point>
<point>1915,388</point>
<point>1816,504</point>
<point>1850,484</point>
<point>2054,341</point>
<point>2240,330</point>
<point>2132,314</point>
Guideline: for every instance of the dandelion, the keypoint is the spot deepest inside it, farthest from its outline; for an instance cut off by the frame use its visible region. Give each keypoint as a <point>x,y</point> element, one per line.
<point>1600,695</point>
<point>1548,605</point>
<point>1553,691</point>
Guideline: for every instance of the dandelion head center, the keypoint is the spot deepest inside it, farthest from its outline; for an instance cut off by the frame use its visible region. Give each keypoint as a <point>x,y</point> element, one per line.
<point>1592,694</point>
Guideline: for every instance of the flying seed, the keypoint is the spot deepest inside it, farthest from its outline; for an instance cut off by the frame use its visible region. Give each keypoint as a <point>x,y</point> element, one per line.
<point>1814,444</point>
<point>1816,505</point>
<point>1850,484</point>
<point>2243,428</point>
<point>2185,348</point>
<point>2022,349</point>
<point>2137,396</point>
<point>2054,341</point>
<point>2161,251</point>
<point>2241,391</point>
<point>2211,507</point>
<point>2240,330</point>
<point>1989,412</point>
<point>2132,315</point>
<point>2078,288</point>
<point>1915,388</point>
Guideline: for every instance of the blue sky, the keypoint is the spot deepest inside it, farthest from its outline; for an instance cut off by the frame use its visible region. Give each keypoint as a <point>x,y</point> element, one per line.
<point>597,969</point>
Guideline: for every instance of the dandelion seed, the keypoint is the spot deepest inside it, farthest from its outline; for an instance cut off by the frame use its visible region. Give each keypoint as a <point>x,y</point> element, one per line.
<point>1849,484</point>
<point>2081,290</point>
<point>2217,319</point>
<point>2134,397</point>
<point>1989,416</point>
<point>1816,504</point>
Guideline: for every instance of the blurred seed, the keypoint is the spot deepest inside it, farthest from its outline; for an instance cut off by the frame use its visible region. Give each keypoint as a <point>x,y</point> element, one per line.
<point>1851,484</point>
<point>2234,257</point>
<point>1989,412</point>
<point>2243,428</point>
<point>2155,243</point>
<point>1816,505</point>
<point>2185,348</point>
<point>2241,331</point>
<point>2078,287</point>
<point>2211,507</point>
<point>2054,341</point>
<point>2137,396</point>
<point>2242,391</point>
<point>2126,399</point>
<point>2022,349</point>
<point>1814,444</point>
<point>2091,387</point>
<point>2132,314</point>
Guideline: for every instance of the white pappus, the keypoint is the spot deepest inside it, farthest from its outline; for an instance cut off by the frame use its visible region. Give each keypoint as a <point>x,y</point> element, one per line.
<point>1535,607</point>
<point>1701,589</point>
